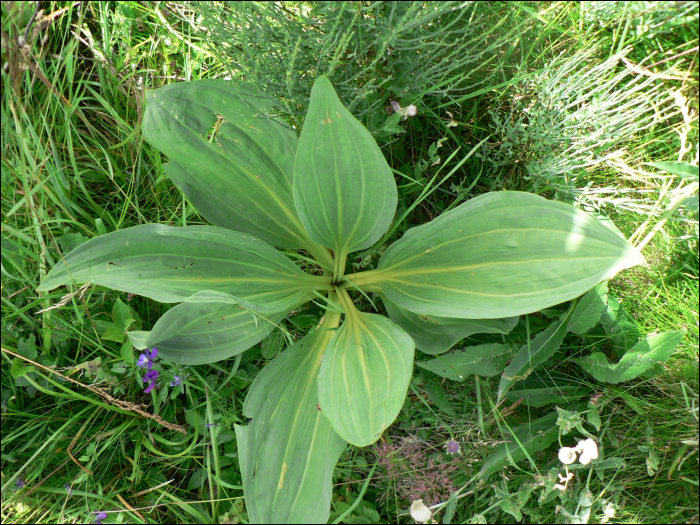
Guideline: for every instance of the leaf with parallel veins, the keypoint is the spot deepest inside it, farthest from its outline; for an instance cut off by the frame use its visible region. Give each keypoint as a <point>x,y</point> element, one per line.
<point>289,449</point>
<point>498,255</point>
<point>364,376</point>
<point>171,264</point>
<point>240,177</point>
<point>344,190</point>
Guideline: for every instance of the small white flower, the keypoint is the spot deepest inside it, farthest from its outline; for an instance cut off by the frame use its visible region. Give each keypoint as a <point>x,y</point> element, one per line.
<point>567,455</point>
<point>609,513</point>
<point>420,512</point>
<point>588,451</point>
<point>409,111</point>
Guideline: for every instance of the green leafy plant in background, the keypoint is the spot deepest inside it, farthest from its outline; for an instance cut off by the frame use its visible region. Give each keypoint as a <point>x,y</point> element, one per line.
<point>286,212</point>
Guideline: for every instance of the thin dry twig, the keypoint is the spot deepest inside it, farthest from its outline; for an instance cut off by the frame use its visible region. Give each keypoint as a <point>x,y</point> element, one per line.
<point>124,405</point>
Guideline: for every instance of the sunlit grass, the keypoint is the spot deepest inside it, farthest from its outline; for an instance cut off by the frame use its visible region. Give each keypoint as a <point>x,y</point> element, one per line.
<point>562,114</point>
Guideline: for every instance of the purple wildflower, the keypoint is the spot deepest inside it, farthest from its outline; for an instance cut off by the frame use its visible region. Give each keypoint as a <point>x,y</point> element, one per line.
<point>396,106</point>
<point>151,376</point>
<point>100,516</point>
<point>176,381</point>
<point>209,425</point>
<point>147,359</point>
<point>452,447</point>
<point>67,487</point>
<point>20,483</point>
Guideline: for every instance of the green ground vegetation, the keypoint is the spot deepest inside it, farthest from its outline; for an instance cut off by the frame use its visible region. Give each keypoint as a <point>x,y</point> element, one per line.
<point>572,100</point>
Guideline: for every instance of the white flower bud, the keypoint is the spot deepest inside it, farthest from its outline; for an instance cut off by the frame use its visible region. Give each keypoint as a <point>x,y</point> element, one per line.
<point>411,110</point>
<point>420,512</point>
<point>567,455</point>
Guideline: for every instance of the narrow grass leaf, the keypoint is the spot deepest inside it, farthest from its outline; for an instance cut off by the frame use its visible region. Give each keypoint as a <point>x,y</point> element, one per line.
<point>532,436</point>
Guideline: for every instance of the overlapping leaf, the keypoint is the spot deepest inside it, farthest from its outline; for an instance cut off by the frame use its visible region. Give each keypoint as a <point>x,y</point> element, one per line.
<point>435,335</point>
<point>344,191</point>
<point>589,309</point>
<point>288,451</point>
<point>498,255</point>
<point>195,333</point>
<point>229,154</point>
<point>171,264</point>
<point>364,376</point>
<point>648,352</point>
<point>485,360</point>
<point>531,355</point>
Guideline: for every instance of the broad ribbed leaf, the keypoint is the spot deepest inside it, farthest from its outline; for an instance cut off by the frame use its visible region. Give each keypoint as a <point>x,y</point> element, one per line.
<point>484,360</point>
<point>501,254</point>
<point>364,376</point>
<point>170,264</point>
<point>531,355</point>
<point>648,352</point>
<point>194,333</point>
<point>288,451</point>
<point>229,154</point>
<point>435,335</point>
<point>344,191</point>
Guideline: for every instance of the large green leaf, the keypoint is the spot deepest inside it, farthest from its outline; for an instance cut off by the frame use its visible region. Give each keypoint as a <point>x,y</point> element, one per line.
<point>229,154</point>
<point>531,355</point>
<point>288,451</point>
<point>170,264</point>
<point>344,190</point>
<point>436,335</point>
<point>653,350</point>
<point>485,360</point>
<point>497,255</point>
<point>196,333</point>
<point>364,376</point>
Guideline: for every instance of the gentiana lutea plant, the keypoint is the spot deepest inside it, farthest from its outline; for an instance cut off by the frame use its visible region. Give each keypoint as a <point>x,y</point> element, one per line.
<point>269,194</point>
